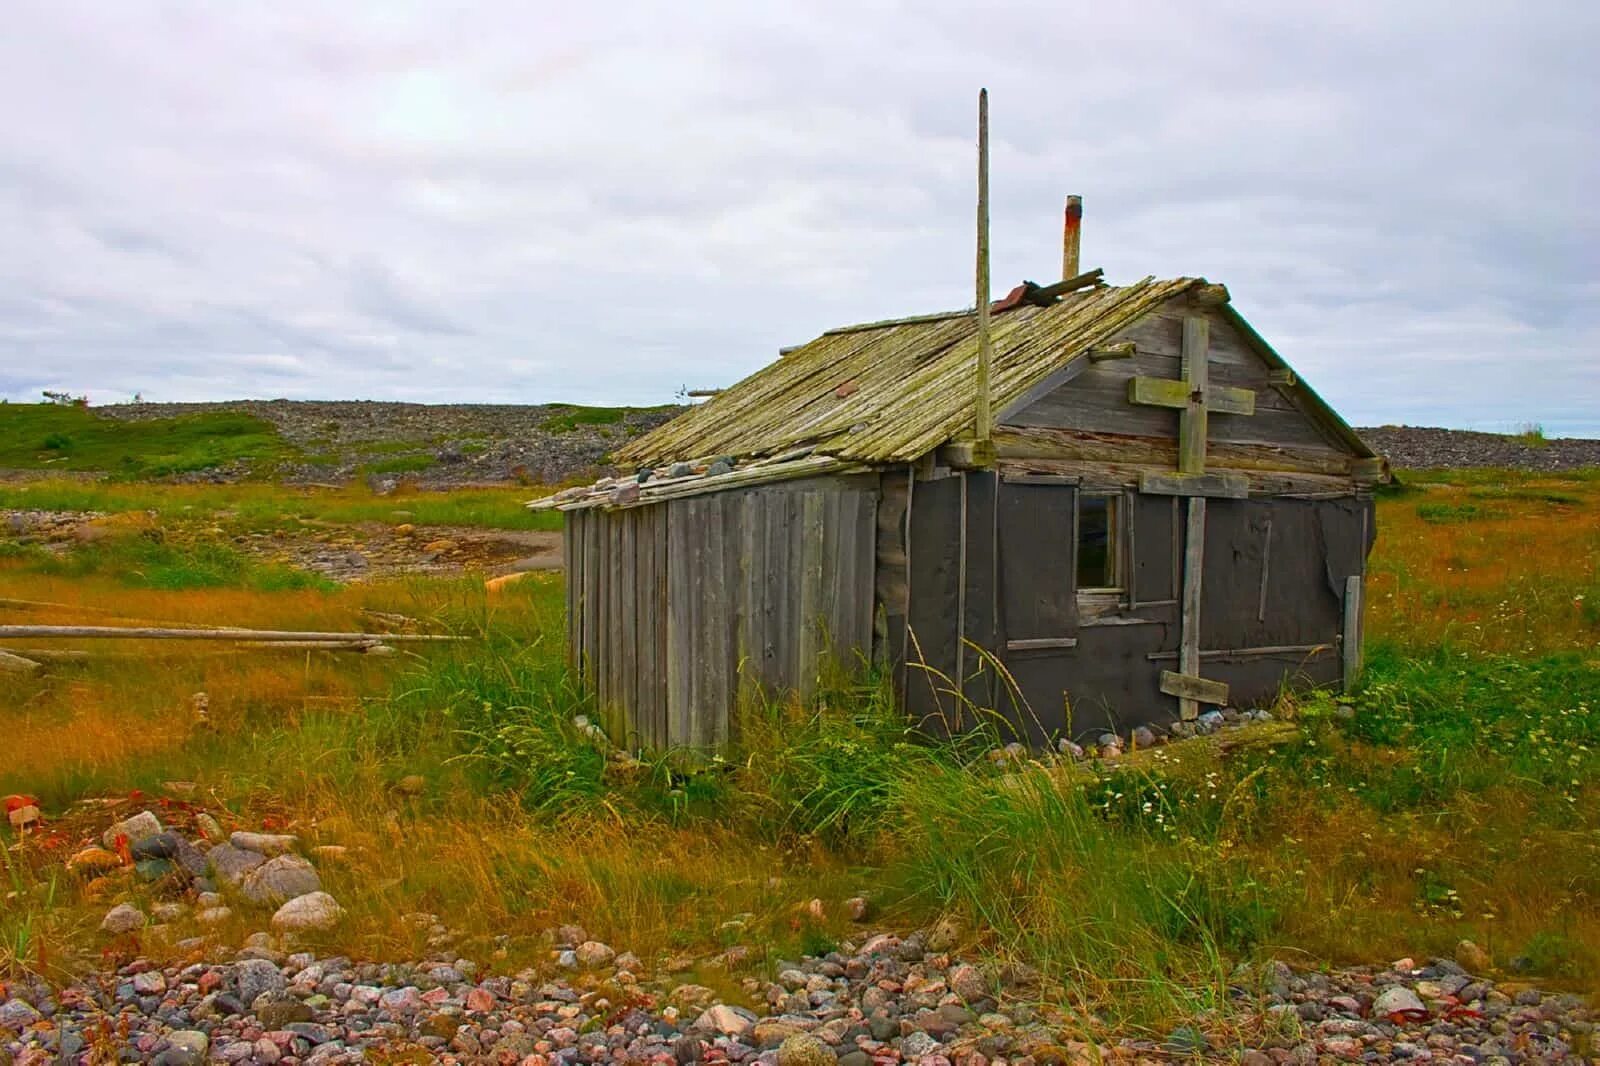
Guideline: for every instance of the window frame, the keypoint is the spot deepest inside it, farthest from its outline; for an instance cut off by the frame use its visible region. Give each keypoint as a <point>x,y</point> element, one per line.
<point>1116,522</point>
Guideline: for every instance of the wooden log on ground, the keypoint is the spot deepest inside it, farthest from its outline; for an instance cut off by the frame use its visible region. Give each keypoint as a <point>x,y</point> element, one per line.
<point>16,664</point>
<point>229,634</point>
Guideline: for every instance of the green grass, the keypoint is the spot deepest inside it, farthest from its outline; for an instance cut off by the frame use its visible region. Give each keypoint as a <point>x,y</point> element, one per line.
<point>401,464</point>
<point>571,416</point>
<point>149,561</point>
<point>67,437</point>
<point>261,506</point>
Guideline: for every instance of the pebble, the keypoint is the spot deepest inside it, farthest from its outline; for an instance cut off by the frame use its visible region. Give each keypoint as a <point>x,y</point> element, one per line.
<point>891,999</point>
<point>123,918</point>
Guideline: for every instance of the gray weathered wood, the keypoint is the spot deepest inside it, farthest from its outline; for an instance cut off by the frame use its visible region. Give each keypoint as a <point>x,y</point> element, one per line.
<point>1121,350</point>
<point>1210,654</point>
<point>1351,637</point>
<point>1189,621</point>
<point>983,422</point>
<point>1191,688</point>
<point>1225,486</point>
<point>11,663</point>
<point>230,633</point>
<point>1041,643</point>
<point>1266,562</point>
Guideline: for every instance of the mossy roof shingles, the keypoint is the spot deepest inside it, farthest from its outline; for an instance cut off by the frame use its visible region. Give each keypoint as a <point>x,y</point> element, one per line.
<point>890,392</point>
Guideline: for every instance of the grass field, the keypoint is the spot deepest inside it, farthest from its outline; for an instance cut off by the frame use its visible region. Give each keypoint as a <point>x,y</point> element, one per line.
<point>67,437</point>
<point>1458,801</point>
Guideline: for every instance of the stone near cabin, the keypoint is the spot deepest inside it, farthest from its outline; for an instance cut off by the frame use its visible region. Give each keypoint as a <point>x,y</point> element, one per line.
<point>727,1020</point>
<point>1144,737</point>
<point>162,845</point>
<point>24,817</point>
<point>233,864</point>
<point>312,912</point>
<point>186,1046</point>
<point>133,830</point>
<point>209,828</point>
<point>16,1014</point>
<point>1472,957</point>
<point>268,844</point>
<point>213,915</point>
<point>1399,1000</point>
<point>857,908</point>
<point>945,934</point>
<point>150,983</point>
<point>256,976</point>
<point>123,918</point>
<point>280,879</point>
<point>803,1049</point>
<point>967,982</point>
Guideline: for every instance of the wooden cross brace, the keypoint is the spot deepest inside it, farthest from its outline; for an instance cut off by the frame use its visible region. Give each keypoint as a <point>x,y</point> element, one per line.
<point>1194,398</point>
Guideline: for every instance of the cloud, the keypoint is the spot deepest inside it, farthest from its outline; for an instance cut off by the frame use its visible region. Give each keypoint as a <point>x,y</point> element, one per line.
<point>508,203</point>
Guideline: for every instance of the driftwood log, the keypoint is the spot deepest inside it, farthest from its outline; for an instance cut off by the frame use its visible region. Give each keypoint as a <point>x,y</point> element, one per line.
<point>21,632</point>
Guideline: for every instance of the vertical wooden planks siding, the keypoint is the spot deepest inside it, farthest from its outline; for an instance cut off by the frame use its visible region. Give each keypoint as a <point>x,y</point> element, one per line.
<point>674,609</point>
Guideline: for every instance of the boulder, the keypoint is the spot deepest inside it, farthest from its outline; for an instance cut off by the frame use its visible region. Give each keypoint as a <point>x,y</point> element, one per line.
<point>308,913</point>
<point>232,864</point>
<point>280,879</point>
<point>135,830</point>
<point>1472,958</point>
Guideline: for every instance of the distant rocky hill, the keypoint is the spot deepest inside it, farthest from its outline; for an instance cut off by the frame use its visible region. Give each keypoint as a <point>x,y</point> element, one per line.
<point>441,445</point>
<point>1421,447</point>
<point>432,444</point>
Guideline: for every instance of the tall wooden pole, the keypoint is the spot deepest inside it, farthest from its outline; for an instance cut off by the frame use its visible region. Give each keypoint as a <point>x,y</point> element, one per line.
<point>983,416</point>
<point>1071,228</point>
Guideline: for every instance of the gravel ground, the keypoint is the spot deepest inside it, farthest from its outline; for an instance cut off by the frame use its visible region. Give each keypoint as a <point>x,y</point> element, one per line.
<point>885,1001</point>
<point>1420,447</point>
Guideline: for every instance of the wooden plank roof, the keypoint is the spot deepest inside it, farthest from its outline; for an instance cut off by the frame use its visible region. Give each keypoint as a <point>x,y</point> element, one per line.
<point>889,392</point>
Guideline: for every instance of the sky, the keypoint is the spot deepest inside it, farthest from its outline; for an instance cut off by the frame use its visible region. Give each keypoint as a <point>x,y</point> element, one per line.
<point>515,202</point>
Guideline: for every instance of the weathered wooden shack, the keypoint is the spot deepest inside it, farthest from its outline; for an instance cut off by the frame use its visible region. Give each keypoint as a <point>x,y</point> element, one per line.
<point>1166,516</point>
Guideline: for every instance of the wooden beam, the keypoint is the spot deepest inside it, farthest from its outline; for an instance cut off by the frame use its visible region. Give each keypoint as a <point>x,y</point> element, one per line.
<point>1042,442</point>
<point>258,635</point>
<point>1374,469</point>
<point>1282,376</point>
<point>16,664</point>
<point>1166,392</point>
<point>1194,543</point>
<point>1192,423</point>
<point>1222,486</point>
<point>1193,689</point>
<point>983,421</point>
<point>968,454</point>
<point>1351,637</point>
<point>1041,643</point>
<point>1121,350</point>
<point>1213,295</point>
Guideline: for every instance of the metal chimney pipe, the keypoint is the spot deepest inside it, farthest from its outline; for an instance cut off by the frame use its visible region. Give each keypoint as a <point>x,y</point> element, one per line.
<point>1071,227</point>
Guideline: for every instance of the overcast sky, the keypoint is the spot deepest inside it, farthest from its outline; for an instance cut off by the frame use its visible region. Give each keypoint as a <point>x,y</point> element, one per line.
<point>602,203</point>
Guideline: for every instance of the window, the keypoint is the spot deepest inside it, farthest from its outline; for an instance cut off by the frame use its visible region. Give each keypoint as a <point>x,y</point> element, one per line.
<point>1099,565</point>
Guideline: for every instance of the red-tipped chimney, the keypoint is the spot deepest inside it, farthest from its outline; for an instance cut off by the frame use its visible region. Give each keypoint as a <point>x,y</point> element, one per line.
<point>1070,228</point>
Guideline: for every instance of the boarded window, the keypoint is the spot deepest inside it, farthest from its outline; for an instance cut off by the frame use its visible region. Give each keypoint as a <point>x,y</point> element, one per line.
<point>1099,562</point>
<point>1035,563</point>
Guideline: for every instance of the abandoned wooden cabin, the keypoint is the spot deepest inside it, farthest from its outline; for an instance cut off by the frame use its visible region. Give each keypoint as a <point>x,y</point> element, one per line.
<point>1165,516</point>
